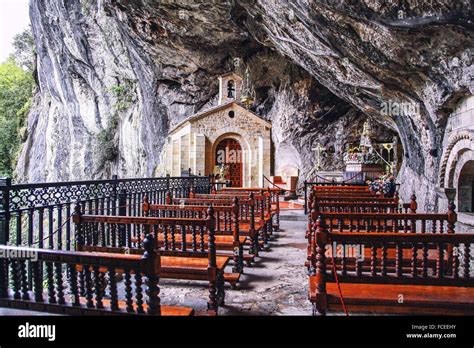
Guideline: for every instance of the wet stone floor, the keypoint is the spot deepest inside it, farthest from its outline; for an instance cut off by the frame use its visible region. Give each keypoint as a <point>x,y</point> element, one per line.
<point>275,284</point>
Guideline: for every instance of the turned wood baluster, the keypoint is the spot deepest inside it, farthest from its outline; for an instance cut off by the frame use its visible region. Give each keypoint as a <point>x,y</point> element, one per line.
<point>455,263</point>
<point>450,226</point>
<point>424,263</point>
<point>88,286</point>
<point>321,242</point>
<point>235,234</point>
<point>38,281</point>
<point>16,279</point>
<point>423,226</point>
<point>343,262</point>
<point>398,260</point>
<point>103,238</point>
<point>59,283</point>
<point>384,259</point>
<point>467,253</point>
<point>373,260</point>
<point>128,291</point>
<point>50,279</point>
<point>3,277</point>
<point>254,247</point>
<point>82,283</point>
<point>183,237</point>
<point>212,267</point>
<point>439,261</point>
<point>202,246</point>
<point>24,280</point>
<point>114,234</point>
<point>151,269</point>
<point>173,239</point>
<point>262,217</point>
<point>379,225</point>
<point>113,289</point>
<point>139,292</point>
<point>194,234</point>
<point>98,284</point>
<point>165,237</point>
<point>73,285</point>
<point>414,251</point>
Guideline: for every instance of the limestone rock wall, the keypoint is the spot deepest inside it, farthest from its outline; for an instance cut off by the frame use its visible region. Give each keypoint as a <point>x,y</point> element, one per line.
<point>115,75</point>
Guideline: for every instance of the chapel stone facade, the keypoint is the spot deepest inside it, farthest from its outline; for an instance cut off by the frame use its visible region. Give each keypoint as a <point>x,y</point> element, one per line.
<point>228,134</point>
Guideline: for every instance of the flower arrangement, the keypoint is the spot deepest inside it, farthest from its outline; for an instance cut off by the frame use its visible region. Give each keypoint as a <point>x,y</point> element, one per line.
<point>383,185</point>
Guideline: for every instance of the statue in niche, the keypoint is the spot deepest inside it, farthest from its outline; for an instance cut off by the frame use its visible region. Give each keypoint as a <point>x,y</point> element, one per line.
<point>220,172</point>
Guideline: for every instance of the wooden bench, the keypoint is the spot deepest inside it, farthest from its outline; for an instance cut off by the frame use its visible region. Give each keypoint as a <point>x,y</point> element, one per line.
<point>381,223</point>
<point>179,260</point>
<point>255,221</point>
<point>263,201</point>
<point>393,288</point>
<point>82,291</point>
<point>227,230</point>
<point>273,193</point>
<point>357,205</point>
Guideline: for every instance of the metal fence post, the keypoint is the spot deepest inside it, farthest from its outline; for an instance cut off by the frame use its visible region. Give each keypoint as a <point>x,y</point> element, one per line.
<point>305,198</point>
<point>5,184</point>
<point>122,211</point>
<point>114,195</point>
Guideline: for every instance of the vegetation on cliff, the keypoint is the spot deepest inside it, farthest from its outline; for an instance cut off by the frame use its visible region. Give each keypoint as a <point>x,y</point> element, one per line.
<point>16,91</point>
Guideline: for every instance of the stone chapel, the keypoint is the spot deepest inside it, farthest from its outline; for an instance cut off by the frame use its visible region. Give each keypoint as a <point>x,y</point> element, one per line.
<point>227,134</point>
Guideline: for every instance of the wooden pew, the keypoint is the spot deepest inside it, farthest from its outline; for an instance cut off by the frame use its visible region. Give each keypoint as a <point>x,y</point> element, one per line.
<point>227,231</point>
<point>273,193</point>
<point>364,222</point>
<point>447,290</point>
<point>82,291</point>
<point>179,260</point>
<point>255,220</point>
<point>318,203</point>
<point>263,206</point>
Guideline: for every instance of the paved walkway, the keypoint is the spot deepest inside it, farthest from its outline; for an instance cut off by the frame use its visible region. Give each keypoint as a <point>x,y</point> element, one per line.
<point>276,284</point>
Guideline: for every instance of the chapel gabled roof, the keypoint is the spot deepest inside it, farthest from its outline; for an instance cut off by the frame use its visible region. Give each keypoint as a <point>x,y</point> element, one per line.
<point>215,109</point>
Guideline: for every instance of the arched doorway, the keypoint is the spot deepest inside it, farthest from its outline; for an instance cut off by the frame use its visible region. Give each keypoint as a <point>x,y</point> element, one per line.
<point>229,153</point>
<point>466,188</point>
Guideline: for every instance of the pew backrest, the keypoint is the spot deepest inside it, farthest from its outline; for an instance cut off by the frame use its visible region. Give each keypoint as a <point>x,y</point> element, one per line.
<point>48,269</point>
<point>124,231</point>
<point>453,254</point>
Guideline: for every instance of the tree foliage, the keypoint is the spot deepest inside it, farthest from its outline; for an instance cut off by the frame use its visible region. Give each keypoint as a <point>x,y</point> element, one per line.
<point>16,87</point>
<point>23,44</point>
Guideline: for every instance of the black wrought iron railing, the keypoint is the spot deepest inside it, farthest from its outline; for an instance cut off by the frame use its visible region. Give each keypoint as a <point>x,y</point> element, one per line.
<point>39,215</point>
